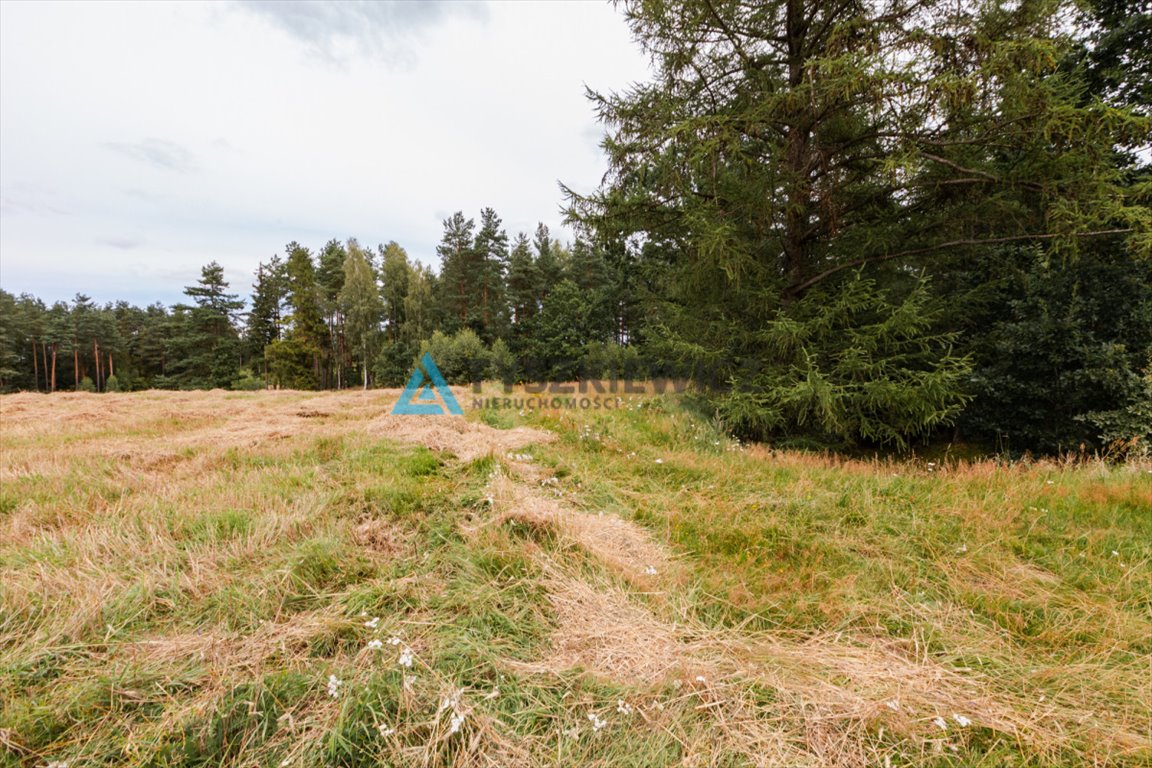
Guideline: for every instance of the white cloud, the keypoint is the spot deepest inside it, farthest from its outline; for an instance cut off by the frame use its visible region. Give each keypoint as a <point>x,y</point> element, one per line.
<point>197,132</point>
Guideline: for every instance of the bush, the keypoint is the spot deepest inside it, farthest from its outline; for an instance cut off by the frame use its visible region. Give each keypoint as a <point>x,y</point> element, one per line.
<point>462,359</point>
<point>86,385</point>
<point>112,385</point>
<point>608,360</point>
<point>505,366</point>
<point>247,381</point>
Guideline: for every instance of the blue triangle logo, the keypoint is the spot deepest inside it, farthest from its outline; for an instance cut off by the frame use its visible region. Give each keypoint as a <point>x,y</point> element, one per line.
<point>419,397</point>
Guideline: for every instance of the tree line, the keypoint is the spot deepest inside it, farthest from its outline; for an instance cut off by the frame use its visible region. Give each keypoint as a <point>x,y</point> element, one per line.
<point>856,223</point>
<point>344,315</point>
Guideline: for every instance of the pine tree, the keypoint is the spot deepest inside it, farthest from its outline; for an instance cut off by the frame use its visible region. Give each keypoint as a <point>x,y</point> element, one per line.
<point>12,339</point>
<point>207,347</point>
<point>489,314</point>
<point>329,281</point>
<point>457,285</point>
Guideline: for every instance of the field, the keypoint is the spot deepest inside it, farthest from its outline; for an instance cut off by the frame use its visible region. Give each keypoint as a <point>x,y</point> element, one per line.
<point>301,579</point>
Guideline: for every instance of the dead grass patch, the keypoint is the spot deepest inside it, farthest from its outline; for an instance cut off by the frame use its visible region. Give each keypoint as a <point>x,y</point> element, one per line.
<point>601,631</point>
<point>467,440</point>
<point>623,546</point>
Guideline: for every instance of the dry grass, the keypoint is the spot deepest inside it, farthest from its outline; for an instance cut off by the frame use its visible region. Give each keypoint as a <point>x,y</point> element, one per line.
<point>173,565</point>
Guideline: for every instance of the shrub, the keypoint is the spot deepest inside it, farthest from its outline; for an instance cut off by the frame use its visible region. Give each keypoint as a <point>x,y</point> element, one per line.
<point>505,366</point>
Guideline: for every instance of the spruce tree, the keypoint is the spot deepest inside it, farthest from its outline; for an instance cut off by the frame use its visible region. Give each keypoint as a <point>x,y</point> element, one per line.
<point>783,147</point>
<point>265,319</point>
<point>523,284</point>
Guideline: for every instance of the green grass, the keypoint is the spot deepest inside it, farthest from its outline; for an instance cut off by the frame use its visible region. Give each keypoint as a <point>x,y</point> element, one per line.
<point>177,593</point>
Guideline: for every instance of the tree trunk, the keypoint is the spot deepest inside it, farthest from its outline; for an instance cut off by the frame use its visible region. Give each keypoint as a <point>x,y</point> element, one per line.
<point>54,348</point>
<point>35,367</point>
<point>76,363</point>
<point>96,357</point>
<point>44,359</point>
<point>111,368</point>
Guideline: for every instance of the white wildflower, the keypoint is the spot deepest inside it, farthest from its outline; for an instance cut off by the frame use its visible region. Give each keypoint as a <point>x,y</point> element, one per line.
<point>393,640</point>
<point>334,684</point>
<point>700,679</point>
<point>962,721</point>
<point>623,707</point>
<point>385,729</point>
<point>659,461</point>
<point>893,705</point>
<point>455,723</point>
<point>650,571</point>
<point>597,723</point>
<point>375,645</point>
<point>373,622</point>
<point>1115,553</point>
<point>1050,482</point>
<point>405,659</point>
<point>962,548</point>
<point>940,723</point>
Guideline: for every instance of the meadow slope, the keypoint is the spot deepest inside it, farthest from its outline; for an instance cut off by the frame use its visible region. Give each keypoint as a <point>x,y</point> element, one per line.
<point>302,579</point>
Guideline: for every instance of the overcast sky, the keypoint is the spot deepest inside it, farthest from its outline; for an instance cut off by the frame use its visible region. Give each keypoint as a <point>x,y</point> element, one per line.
<point>139,141</point>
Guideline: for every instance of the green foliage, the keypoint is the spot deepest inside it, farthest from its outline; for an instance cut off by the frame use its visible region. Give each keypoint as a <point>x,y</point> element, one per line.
<point>295,361</point>
<point>554,350</point>
<point>853,365</point>
<point>206,342</point>
<point>505,367</point>
<point>265,320</point>
<point>1061,350</point>
<point>359,300</point>
<point>393,364</point>
<point>113,384</point>
<point>781,146</point>
<point>86,385</point>
<point>291,364</point>
<point>608,360</point>
<point>462,358</point>
<point>245,381</point>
